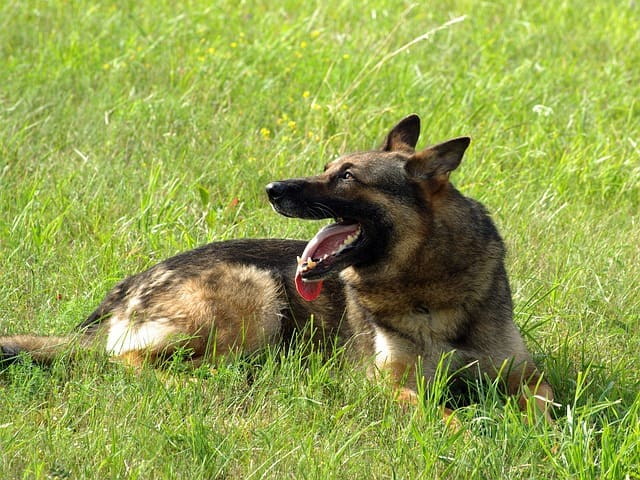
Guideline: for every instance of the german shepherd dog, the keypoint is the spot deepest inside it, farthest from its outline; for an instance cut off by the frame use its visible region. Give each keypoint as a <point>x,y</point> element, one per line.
<point>408,271</point>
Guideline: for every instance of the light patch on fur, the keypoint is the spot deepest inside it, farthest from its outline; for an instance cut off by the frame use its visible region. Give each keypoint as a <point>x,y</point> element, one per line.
<point>384,352</point>
<point>396,357</point>
<point>160,276</point>
<point>126,336</point>
<point>393,352</point>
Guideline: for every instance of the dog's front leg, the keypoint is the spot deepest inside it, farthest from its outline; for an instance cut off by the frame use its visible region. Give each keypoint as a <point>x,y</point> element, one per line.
<point>526,383</point>
<point>396,360</point>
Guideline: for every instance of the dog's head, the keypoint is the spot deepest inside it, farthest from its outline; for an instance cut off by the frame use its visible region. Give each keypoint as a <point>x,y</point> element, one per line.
<point>370,195</point>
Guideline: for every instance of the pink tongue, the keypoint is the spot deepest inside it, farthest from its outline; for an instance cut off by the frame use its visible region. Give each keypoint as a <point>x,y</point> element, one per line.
<point>308,290</point>
<point>327,241</point>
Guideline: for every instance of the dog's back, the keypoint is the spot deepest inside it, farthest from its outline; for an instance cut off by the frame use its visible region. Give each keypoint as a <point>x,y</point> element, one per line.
<point>237,295</point>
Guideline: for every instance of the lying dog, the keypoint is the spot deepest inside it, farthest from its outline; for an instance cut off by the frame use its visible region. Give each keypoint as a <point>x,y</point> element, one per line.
<point>409,271</point>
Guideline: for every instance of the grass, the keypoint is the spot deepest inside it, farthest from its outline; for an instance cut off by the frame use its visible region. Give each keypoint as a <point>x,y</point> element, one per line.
<point>130,131</point>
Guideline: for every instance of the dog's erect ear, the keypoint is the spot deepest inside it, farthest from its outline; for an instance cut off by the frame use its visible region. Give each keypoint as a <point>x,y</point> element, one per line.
<point>436,162</point>
<point>404,136</point>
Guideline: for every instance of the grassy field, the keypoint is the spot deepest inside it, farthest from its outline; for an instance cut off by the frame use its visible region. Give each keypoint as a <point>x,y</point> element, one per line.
<point>130,131</point>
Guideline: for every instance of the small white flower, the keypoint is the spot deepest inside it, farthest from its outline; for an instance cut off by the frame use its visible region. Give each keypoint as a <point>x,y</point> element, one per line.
<point>542,110</point>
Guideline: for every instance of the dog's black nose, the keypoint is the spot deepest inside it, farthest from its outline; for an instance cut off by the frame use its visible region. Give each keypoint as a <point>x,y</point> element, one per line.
<point>285,188</point>
<point>276,190</point>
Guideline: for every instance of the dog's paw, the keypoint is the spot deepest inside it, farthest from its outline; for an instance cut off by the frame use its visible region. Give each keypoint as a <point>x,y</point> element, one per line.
<point>406,397</point>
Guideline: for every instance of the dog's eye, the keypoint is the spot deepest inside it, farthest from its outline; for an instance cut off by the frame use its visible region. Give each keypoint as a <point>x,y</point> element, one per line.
<point>346,175</point>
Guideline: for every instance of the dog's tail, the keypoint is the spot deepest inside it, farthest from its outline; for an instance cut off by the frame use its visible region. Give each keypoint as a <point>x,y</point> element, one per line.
<point>42,350</point>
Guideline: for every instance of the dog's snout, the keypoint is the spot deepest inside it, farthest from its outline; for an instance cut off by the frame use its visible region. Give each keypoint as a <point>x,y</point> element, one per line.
<point>277,190</point>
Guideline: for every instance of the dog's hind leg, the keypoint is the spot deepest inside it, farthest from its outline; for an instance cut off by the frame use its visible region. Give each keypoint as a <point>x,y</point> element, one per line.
<point>224,309</point>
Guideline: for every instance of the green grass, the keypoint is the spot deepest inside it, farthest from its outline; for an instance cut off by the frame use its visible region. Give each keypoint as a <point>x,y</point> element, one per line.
<point>130,131</point>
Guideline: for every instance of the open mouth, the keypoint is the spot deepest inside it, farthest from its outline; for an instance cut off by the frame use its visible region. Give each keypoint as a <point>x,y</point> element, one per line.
<point>329,246</point>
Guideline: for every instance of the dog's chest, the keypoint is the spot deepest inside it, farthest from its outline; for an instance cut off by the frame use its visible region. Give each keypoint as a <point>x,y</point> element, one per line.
<point>422,327</point>
<point>414,334</point>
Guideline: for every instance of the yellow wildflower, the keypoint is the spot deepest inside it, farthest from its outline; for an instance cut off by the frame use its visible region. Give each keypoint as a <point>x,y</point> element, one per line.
<point>283,118</point>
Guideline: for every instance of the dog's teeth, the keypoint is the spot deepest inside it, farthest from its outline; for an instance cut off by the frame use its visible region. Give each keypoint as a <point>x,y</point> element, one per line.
<point>310,263</point>
<point>350,239</point>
